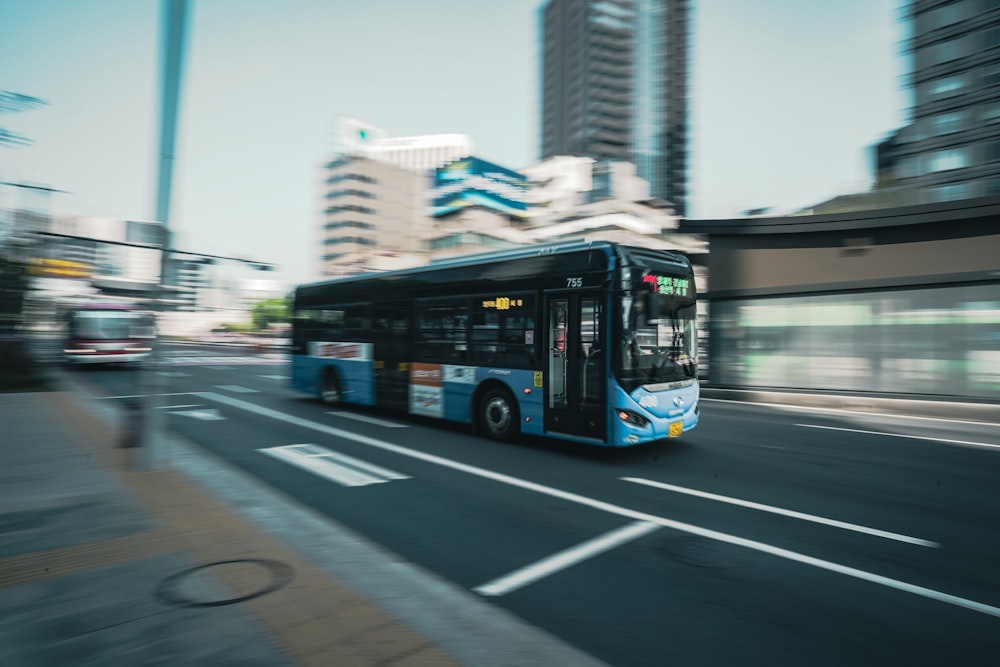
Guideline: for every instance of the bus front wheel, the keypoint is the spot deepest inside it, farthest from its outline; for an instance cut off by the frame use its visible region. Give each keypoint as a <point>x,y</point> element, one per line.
<point>329,387</point>
<point>498,415</point>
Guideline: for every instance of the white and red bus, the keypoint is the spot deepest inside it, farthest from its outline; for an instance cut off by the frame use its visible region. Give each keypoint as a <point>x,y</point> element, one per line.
<point>105,333</point>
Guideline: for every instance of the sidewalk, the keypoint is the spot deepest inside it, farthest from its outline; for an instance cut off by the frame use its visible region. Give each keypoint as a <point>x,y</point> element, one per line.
<point>195,564</point>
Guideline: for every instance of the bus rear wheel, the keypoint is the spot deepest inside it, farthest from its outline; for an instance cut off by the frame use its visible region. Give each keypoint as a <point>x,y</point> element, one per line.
<point>498,416</point>
<point>329,387</point>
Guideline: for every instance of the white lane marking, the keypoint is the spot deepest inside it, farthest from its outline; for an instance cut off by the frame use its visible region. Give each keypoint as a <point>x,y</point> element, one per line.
<point>236,389</point>
<point>275,377</point>
<point>336,467</point>
<point>174,374</point>
<point>609,507</point>
<point>179,407</point>
<point>175,393</point>
<point>366,419</point>
<point>205,414</point>
<point>964,443</point>
<point>847,411</point>
<point>789,513</point>
<point>565,559</point>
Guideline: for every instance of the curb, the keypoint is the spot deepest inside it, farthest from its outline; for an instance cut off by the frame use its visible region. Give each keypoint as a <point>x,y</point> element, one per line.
<point>943,408</point>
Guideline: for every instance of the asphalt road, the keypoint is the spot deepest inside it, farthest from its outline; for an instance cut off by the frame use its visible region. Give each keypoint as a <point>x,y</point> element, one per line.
<point>768,536</point>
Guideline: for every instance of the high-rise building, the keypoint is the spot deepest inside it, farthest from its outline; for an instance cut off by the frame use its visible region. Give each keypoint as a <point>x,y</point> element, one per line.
<point>614,86</point>
<point>951,148</point>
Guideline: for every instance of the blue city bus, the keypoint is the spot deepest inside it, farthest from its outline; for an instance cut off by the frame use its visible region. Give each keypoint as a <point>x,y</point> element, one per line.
<point>592,342</point>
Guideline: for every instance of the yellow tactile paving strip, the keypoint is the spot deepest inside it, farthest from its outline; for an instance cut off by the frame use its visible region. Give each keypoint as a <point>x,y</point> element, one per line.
<point>315,618</point>
<point>39,565</point>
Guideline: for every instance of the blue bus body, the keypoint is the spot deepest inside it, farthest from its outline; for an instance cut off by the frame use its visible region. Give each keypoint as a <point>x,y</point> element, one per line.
<point>588,358</point>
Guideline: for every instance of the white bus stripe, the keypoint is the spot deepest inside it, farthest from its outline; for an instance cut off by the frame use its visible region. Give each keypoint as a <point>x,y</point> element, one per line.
<point>608,507</point>
<point>565,559</point>
<point>789,513</point>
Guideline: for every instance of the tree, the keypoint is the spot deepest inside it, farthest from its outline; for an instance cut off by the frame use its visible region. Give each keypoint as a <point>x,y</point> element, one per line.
<point>11,102</point>
<point>269,311</point>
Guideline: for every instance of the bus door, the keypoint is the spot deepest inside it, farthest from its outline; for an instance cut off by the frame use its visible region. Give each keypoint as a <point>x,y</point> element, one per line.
<point>390,342</point>
<point>575,365</point>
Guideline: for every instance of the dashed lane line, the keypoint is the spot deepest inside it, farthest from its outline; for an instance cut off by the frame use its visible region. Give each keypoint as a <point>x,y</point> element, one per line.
<point>784,512</point>
<point>611,508</point>
<point>964,443</point>
<point>566,559</point>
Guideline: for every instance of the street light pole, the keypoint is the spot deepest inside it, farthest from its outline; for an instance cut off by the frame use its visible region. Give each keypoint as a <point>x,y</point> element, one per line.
<point>155,384</point>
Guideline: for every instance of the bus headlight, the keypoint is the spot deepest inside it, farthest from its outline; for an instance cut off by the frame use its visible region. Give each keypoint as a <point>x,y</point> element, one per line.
<point>633,418</point>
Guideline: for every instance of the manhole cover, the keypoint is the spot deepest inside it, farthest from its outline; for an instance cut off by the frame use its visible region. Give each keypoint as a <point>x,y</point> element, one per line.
<point>224,582</point>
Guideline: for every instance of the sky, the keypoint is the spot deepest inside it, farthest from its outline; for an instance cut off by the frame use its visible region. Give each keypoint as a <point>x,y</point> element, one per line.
<point>787,97</point>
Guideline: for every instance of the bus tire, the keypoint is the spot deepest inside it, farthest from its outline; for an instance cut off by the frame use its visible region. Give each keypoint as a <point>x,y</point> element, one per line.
<point>498,416</point>
<point>330,392</point>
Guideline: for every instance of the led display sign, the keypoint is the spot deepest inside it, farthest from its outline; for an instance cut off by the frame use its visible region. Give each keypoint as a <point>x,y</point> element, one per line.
<point>503,303</point>
<point>472,181</point>
<point>670,285</point>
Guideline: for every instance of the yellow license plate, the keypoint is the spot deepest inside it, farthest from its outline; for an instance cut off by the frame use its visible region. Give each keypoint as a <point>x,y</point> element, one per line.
<point>676,429</point>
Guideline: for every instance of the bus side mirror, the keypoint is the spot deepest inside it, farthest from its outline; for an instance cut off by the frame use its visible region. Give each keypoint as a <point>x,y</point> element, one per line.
<point>651,307</point>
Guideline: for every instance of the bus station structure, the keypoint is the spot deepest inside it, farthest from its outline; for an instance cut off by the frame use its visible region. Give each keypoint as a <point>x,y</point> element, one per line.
<point>895,301</point>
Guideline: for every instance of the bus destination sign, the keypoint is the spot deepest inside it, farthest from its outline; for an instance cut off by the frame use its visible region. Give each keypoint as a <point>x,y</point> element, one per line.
<point>669,285</point>
<point>502,303</point>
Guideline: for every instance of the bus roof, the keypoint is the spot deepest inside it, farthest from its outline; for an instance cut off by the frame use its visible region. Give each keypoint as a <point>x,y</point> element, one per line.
<point>520,252</point>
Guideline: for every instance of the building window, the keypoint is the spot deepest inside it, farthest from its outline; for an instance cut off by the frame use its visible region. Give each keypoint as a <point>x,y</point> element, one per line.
<point>991,113</point>
<point>943,52</point>
<point>992,187</point>
<point>952,192</point>
<point>991,37</point>
<point>908,167</point>
<point>991,76</point>
<point>947,123</point>
<point>991,151</point>
<point>946,15</point>
<point>945,87</point>
<point>951,158</point>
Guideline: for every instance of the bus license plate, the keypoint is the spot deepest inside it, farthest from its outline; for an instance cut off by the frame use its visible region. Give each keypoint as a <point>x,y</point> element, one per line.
<point>676,429</point>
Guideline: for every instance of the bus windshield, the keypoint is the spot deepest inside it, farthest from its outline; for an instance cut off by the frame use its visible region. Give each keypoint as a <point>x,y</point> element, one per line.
<point>110,325</point>
<point>659,340</point>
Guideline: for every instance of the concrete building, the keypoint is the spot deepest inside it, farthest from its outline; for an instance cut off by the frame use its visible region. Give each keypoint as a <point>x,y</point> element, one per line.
<point>473,229</point>
<point>371,208</point>
<point>614,86</point>
<point>893,301</point>
<point>619,180</point>
<point>422,153</point>
<point>950,150</point>
<point>557,184</point>
<point>353,136</point>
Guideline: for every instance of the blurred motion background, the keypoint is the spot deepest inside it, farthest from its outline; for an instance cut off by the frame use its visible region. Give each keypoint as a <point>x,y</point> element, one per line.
<point>322,139</point>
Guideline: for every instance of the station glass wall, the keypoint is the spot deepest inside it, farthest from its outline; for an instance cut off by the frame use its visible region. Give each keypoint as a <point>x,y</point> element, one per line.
<point>938,341</point>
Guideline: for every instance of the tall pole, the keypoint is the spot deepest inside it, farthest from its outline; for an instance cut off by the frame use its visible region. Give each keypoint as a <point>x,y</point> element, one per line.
<point>174,20</point>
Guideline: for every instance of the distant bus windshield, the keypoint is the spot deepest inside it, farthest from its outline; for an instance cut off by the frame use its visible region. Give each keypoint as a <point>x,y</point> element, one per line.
<point>108,334</point>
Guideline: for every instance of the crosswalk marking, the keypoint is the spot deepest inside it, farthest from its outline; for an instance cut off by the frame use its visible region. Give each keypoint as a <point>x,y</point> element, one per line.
<point>336,467</point>
<point>236,389</point>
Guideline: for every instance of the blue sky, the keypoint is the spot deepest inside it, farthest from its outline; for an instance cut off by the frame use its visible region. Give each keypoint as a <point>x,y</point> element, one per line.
<point>786,97</point>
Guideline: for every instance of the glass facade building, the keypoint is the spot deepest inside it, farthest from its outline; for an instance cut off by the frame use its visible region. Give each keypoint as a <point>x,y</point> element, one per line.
<point>614,86</point>
<point>950,150</point>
